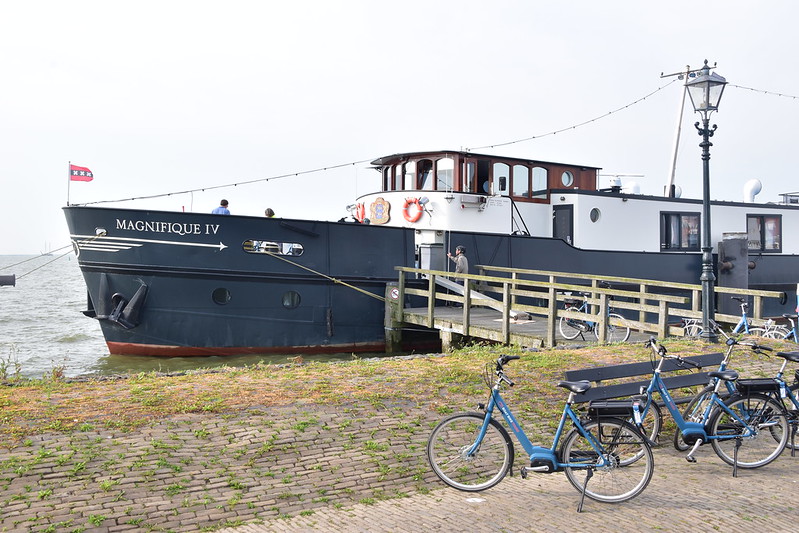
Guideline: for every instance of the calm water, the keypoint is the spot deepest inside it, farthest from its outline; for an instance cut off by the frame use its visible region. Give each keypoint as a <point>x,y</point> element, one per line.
<point>42,327</point>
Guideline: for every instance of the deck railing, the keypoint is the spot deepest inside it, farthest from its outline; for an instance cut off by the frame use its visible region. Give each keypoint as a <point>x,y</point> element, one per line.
<point>648,306</point>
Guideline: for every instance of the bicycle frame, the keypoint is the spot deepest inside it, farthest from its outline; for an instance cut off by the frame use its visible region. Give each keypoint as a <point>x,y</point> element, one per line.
<point>691,431</point>
<point>540,455</point>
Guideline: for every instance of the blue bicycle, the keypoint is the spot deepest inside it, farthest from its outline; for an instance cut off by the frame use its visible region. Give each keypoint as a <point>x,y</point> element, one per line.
<point>776,388</point>
<point>747,429</point>
<point>783,333</point>
<point>571,328</point>
<point>472,451</point>
<point>693,326</point>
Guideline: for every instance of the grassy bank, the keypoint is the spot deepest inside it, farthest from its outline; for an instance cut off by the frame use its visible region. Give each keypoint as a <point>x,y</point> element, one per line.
<point>444,383</point>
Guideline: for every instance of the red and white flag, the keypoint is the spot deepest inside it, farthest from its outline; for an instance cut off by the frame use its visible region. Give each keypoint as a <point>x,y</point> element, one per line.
<point>77,173</point>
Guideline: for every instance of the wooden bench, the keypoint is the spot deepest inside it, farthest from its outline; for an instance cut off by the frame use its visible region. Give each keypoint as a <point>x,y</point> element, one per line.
<point>600,374</point>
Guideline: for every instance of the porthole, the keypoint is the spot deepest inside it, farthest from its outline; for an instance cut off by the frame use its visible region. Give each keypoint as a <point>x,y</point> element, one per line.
<point>221,296</point>
<point>567,179</point>
<point>291,299</point>
<point>595,214</point>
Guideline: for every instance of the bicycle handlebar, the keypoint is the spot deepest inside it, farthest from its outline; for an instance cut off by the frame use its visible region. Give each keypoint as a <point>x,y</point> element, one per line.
<point>757,348</point>
<point>505,359</point>
<point>502,361</point>
<point>661,351</point>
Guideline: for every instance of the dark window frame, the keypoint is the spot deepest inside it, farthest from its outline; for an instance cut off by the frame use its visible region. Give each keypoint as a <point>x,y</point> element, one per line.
<point>762,218</point>
<point>666,234</point>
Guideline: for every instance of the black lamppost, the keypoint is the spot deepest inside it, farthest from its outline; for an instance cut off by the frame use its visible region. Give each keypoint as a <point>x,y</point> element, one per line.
<point>705,92</point>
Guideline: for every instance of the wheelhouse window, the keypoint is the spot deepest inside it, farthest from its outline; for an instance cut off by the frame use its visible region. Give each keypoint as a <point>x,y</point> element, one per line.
<point>397,178</point>
<point>764,232</point>
<point>521,181</point>
<point>679,231</point>
<point>501,170</point>
<point>445,169</point>
<point>425,167</point>
<point>540,182</point>
<point>410,176</point>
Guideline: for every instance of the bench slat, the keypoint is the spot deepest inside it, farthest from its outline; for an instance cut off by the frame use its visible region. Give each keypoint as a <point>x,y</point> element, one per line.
<point>603,392</point>
<point>629,389</point>
<point>627,370</point>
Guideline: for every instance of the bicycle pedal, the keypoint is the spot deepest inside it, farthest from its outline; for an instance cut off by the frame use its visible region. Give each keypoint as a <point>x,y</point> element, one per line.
<point>523,472</point>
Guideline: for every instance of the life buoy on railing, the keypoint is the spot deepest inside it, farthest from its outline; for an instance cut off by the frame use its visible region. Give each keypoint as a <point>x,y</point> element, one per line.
<point>412,210</point>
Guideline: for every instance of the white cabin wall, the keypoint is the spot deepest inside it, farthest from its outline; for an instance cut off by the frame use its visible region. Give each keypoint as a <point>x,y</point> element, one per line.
<point>537,217</point>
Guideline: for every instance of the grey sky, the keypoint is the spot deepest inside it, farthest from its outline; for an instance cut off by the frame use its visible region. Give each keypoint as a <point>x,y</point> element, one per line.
<point>161,96</point>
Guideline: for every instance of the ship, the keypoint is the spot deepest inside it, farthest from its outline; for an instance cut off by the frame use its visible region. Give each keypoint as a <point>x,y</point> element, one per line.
<point>165,283</point>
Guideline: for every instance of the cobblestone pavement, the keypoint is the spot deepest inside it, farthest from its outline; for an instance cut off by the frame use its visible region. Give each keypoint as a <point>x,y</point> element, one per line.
<point>343,468</point>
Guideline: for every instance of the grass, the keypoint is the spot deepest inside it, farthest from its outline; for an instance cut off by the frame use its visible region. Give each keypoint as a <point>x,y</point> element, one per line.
<point>444,384</point>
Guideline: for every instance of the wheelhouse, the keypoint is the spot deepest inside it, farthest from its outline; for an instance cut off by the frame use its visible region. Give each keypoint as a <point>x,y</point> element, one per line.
<point>524,180</point>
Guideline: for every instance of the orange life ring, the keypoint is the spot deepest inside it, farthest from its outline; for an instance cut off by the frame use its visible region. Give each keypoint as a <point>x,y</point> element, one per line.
<point>411,213</point>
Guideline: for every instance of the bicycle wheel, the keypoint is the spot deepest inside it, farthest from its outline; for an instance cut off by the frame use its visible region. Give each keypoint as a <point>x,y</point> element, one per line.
<point>615,333</point>
<point>693,412</point>
<point>693,329</point>
<point>611,482</point>
<point>777,332</point>
<point>651,424</point>
<point>450,442</point>
<point>570,327</point>
<point>758,332</point>
<point>761,440</point>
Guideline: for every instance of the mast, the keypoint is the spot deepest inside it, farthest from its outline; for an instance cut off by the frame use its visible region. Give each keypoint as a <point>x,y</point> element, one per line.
<point>668,191</point>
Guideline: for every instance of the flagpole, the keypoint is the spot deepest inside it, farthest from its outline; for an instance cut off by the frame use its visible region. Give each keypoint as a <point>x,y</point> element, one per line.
<point>69,179</point>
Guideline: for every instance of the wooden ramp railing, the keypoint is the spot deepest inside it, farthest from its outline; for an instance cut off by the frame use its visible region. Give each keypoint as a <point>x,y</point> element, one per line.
<point>649,306</point>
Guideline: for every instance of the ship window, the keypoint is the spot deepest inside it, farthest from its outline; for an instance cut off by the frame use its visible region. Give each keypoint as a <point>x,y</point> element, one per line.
<point>220,296</point>
<point>567,179</point>
<point>521,181</point>
<point>397,178</point>
<point>467,184</point>
<point>291,299</point>
<point>386,178</point>
<point>425,175</point>
<point>540,182</point>
<point>444,174</point>
<point>764,232</point>
<point>272,247</point>
<point>595,214</point>
<point>410,175</point>
<point>501,170</point>
<point>679,231</point>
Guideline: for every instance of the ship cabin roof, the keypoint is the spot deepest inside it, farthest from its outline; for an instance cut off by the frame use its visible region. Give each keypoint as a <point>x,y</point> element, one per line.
<point>527,180</point>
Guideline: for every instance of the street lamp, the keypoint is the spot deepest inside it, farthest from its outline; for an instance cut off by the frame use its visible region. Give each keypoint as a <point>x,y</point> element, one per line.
<point>705,91</point>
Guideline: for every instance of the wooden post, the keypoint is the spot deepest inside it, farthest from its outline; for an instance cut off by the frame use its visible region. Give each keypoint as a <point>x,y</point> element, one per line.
<point>506,313</point>
<point>393,317</point>
<point>467,308</point>
<point>514,276</point>
<point>663,319</point>
<point>553,316</point>
<point>602,319</point>
<point>431,301</point>
<point>642,302</point>
<point>757,307</point>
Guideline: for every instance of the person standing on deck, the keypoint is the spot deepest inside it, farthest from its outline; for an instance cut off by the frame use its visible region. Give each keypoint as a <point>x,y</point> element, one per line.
<point>460,260</point>
<point>222,209</point>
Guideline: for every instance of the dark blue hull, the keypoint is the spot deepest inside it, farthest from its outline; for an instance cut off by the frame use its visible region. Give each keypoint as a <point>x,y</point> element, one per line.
<point>167,283</point>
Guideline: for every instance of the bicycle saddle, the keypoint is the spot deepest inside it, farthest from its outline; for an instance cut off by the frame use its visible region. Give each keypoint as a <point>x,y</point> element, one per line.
<point>790,356</point>
<point>726,375</point>
<point>575,386</point>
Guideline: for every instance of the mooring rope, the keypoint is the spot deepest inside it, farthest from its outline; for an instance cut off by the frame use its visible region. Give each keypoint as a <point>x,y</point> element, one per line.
<point>334,280</point>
